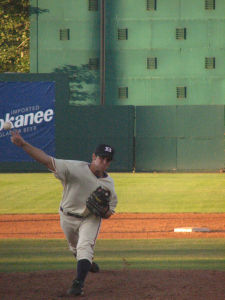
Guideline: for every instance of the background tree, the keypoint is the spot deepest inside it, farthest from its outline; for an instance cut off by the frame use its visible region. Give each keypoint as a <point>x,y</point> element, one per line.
<point>14,36</point>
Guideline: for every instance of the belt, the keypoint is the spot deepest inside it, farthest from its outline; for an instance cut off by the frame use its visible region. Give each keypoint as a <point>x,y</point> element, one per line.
<point>71,214</point>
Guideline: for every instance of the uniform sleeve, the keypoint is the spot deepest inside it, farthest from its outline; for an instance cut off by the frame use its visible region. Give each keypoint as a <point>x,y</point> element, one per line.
<point>61,170</point>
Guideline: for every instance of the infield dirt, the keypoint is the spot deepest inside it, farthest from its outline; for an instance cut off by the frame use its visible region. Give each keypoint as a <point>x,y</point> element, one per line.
<point>118,284</point>
<point>119,226</point>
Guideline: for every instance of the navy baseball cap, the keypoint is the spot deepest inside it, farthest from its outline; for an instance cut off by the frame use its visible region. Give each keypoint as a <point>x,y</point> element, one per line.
<point>104,150</point>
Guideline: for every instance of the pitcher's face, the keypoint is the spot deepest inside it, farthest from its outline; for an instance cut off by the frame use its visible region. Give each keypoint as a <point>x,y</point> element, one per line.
<point>101,163</point>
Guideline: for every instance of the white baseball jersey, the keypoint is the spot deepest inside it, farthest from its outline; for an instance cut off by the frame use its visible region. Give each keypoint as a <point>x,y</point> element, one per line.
<point>78,183</point>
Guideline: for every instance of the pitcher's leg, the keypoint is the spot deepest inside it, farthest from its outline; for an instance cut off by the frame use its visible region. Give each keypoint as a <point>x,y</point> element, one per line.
<point>88,232</point>
<point>70,227</point>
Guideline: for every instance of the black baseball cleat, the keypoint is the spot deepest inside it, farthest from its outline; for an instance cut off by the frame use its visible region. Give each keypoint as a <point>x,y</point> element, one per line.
<point>76,289</point>
<point>94,268</point>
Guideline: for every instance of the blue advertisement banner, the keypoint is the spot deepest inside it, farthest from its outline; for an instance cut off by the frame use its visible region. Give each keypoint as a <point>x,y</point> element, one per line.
<point>30,107</point>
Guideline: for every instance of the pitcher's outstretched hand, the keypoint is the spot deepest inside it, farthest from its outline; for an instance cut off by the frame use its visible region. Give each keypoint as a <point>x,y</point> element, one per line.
<point>17,139</point>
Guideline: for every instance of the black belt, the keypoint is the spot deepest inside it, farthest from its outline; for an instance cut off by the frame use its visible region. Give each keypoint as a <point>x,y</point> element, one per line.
<point>71,214</point>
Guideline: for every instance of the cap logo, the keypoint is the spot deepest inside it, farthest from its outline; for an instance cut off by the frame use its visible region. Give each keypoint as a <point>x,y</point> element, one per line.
<point>108,149</point>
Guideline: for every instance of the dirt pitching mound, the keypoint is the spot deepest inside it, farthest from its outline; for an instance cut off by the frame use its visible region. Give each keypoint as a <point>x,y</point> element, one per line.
<point>116,285</point>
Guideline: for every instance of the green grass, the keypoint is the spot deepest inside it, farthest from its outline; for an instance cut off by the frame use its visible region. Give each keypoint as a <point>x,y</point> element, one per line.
<point>19,255</point>
<point>154,192</point>
<point>138,192</point>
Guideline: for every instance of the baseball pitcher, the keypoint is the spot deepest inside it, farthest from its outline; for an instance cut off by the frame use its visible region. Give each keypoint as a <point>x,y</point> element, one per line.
<point>88,196</point>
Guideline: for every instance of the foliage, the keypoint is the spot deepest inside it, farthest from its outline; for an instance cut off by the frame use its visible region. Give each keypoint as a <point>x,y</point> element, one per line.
<point>14,36</point>
<point>82,83</point>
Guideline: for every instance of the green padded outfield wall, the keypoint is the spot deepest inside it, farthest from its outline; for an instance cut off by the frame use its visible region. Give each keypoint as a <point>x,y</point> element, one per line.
<point>87,126</point>
<point>179,138</point>
<point>168,138</point>
<point>154,47</point>
<point>64,38</point>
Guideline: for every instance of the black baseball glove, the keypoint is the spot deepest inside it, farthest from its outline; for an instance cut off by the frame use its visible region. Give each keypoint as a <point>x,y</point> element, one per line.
<point>98,202</point>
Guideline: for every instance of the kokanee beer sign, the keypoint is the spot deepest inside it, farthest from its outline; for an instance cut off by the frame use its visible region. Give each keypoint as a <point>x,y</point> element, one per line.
<point>28,118</point>
<point>30,108</point>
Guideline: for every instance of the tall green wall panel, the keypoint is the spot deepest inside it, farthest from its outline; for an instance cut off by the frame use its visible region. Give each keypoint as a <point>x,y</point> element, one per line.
<point>180,62</point>
<point>200,154</point>
<point>150,34</point>
<point>81,129</point>
<point>54,15</point>
<point>50,53</point>
<point>181,138</point>
<point>200,121</point>
<point>155,154</point>
<point>155,141</point>
<point>156,121</point>
<point>200,143</point>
